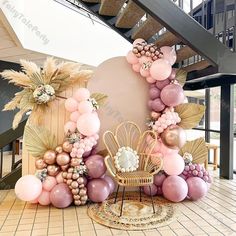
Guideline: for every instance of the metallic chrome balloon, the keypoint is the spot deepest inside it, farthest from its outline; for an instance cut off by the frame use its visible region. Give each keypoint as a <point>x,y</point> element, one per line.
<point>59,149</point>
<point>53,170</point>
<point>67,146</point>
<point>49,157</point>
<point>174,137</point>
<point>63,158</point>
<point>65,167</point>
<point>75,161</point>
<point>40,164</point>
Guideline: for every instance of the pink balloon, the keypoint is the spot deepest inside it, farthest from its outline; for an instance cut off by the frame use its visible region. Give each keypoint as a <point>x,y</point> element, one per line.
<point>85,107</point>
<point>69,126</point>
<point>49,183</point>
<point>167,151</point>
<point>35,201</point>
<point>173,164</point>
<point>169,54</point>
<point>159,178</point>
<point>160,69</point>
<point>82,94</point>
<point>173,74</point>
<point>146,190</point>
<point>88,124</point>
<point>144,59</point>
<point>161,84</point>
<point>136,67</point>
<point>98,190</point>
<point>172,95</point>
<point>197,188</point>
<point>150,80</point>
<point>154,93</point>
<point>131,58</point>
<point>110,182</point>
<point>175,188</point>
<point>28,188</point>
<point>144,73</point>
<point>157,105</point>
<point>159,191</point>
<point>74,116</point>
<point>139,40</point>
<point>71,104</point>
<point>61,196</point>
<point>44,198</point>
<point>96,166</point>
<point>59,178</point>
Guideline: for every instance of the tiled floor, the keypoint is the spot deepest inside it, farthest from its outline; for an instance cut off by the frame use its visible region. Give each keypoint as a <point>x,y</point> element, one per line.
<point>213,215</point>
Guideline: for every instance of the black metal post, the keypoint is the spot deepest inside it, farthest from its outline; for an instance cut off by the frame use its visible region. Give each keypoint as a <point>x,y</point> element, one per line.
<point>117,193</point>
<point>13,155</point>
<point>122,201</point>
<point>227,132</point>
<point>207,115</point>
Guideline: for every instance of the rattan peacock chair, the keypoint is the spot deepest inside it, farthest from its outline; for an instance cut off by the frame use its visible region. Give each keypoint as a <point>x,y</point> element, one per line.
<point>128,138</point>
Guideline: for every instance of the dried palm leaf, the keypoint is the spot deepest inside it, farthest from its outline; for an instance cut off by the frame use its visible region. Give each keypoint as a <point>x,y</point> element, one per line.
<point>181,76</point>
<point>68,67</point>
<point>38,140</point>
<point>190,114</point>
<point>197,148</point>
<point>100,98</point>
<point>37,79</point>
<point>17,78</point>
<point>29,67</point>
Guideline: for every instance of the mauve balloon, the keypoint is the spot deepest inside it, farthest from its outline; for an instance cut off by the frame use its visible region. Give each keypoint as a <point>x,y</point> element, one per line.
<point>110,182</point>
<point>98,190</point>
<point>154,93</point>
<point>146,190</point>
<point>61,196</point>
<point>161,84</point>
<point>197,188</point>
<point>158,179</point>
<point>96,166</point>
<point>158,105</point>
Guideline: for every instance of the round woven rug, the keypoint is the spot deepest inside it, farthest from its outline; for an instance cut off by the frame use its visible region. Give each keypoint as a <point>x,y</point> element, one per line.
<point>136,215</point>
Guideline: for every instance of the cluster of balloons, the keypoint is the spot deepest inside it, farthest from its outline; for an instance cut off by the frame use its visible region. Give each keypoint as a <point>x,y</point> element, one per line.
<point>83,113</point>
<point>99,186</point>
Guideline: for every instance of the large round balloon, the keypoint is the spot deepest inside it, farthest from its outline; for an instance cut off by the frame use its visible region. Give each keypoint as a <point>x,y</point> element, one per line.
<point>110,182</point>
<point>98,190</point>
<point>169,54</point>
<point>160,69</point>
<point>49,183</point>
<point>146,190</point>
<point>88,124</point>
<point>28,188</point>
<point>159,179</point>
<point>172,95</point>
<point>175,188</point>
<point>197,188</point>
<point>44,198</point>
<point>61,196</point>
<point>173,164</point>
<point>96,166</point>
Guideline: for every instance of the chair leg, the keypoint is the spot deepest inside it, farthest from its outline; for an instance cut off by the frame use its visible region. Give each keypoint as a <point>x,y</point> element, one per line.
<point>152,199</point>
<point>140,194</point>
<point>122,202</point>
<point>117,193</point>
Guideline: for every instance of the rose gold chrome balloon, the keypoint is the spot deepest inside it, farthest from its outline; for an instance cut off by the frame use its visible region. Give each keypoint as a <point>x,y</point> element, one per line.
<point>84,198</point>
<point>75,176</point>
<point>67,146</point>
<point>59,149</point>
<point>63,158</point>
<point>69,181</point>
<point>174,137</point>
<point>49,157</point>
<point>64,174</point>
<point>75,161</point>
<point>74,184</point>
<point>77,202</point>
<point>69,175</point>
<point>40,164</point>
<point>65,167</point>
<point>53,170</point>
<point>75,191</point>
<point>80,180</point>
<point>82,192</point>
<point>70,170</point>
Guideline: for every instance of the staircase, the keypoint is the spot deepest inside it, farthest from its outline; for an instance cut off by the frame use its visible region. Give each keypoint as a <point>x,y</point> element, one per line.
<point>165,23</point>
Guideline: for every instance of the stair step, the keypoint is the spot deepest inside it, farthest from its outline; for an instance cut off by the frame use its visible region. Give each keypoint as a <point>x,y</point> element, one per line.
<point>130,16</point>
<point>184,53</point>
<point>197,66</point>
<point>110,7</point>
<point>147,29</point>
<point>167,39</point>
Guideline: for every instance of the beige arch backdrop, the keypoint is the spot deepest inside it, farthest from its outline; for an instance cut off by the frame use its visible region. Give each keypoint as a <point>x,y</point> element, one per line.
<point>127,100</point>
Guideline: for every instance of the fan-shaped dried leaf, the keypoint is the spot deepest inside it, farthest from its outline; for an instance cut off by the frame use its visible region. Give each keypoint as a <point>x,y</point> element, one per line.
<point>190,114</point>
<point>181,76</point>
<point>38,140</point>
<point>29,67</point>
<point>197,148</point>
<point>37,79</point>
<point>100,98</point>
<point>68,67</point>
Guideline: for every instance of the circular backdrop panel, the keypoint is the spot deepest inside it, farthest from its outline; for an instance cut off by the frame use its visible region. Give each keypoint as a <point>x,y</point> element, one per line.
<point>127,94</point>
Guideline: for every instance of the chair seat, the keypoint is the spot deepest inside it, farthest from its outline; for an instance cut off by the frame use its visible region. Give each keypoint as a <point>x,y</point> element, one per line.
<point>135,178</point>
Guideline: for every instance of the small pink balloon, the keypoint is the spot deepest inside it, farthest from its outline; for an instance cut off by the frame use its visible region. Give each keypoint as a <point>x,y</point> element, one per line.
<point>110,182</point>
<point>28,188</point>
<point>161,84</point>
<point>138,40</point>
<point>96,166</point>
<point>131,58</point>
<point>59,178</point>
<point>144,59</point>
<point>160,69</point>
<point>74,116</point>
<point>159,179</point>
<point>136,67</point>
<point>169,54</point>
<point>154,93</point>
<point>173,74</point>
<point>71,104</point>
<point>44,198</point>
<point>197,188</point>
<point>157,105</point>
<point>167,151</point>
<point>173,164</point>
<point>146,190</point>
<point>88,124</point>
<point>144,73</point>
<point>172,95</point>
<point>175,188</point>
<point>150,80</point>
<point>81,94</point>
<point>49,183</point>
<point>85,107</point>
<point>69,126</point>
